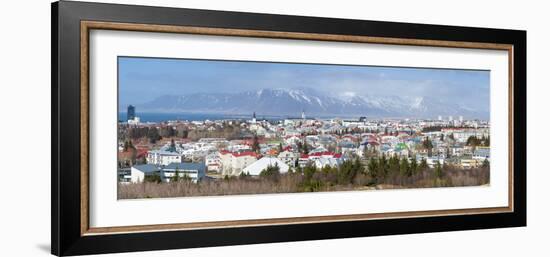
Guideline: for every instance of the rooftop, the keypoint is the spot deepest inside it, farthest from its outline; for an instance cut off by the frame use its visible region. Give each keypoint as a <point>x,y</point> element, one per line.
<point>185,166</point>
<point>147,168</point>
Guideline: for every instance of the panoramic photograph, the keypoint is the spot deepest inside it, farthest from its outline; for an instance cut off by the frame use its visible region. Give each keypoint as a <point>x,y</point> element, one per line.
<point>190,127</point>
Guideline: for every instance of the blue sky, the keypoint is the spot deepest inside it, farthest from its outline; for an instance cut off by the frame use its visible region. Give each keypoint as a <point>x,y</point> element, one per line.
<point>143,79</point>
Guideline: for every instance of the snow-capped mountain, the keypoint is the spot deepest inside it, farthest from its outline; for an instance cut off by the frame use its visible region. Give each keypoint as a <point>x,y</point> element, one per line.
<point>291,102</point>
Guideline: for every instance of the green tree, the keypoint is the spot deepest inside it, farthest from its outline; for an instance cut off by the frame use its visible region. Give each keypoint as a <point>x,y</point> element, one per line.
<point>126,145</point>
<point>299,146</point>
<point>153,135</point>
<point>372,167</point>
<point>133,155</point>
<point>348,171</point>
<point>256,144</point>
<point>185,177</point>
<point>423,165</point>
<point>486,163</point>
<point>438,170</point>
<point>473,141</point>
<point>404,168</point>
<point>176,177</point>
<point>244,175</point>
<point>271,172</point>
<point>153,178</point>
<point>305,147</point>
<point>413,166</point>
<point>327,169</point>
<point>427,144</point>
<point>172,146</point>
<point>382,167</point>
<point>394,165</point>
<point>309,170</point>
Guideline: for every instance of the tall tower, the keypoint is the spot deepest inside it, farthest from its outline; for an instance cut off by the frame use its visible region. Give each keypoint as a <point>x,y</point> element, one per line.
<point>254,117</point>
<point>303,115</point>
<point>131,113</point>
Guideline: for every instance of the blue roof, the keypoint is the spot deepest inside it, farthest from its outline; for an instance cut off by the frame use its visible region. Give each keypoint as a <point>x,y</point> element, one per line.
<point>147,168</point>
<point>185,166</point>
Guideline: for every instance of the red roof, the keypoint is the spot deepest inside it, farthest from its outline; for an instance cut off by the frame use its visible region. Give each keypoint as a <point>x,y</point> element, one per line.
<point>334,155</point>
<point>247,153</point>
<point>240,154</point>
<point>141,153</point>
<point>225,152</point>
<point>322,153</point>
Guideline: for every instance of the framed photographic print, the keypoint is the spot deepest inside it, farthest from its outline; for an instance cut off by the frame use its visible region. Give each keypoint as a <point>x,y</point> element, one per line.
<point>178,128</point>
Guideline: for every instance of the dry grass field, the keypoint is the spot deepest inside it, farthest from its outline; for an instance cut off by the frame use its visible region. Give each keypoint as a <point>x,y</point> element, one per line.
<point>319,181</point>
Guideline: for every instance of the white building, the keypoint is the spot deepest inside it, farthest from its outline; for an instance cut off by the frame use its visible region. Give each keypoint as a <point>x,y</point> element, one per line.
<point>213,162</point>
<point>134,121</point>
<point>323,162</point>
<point>193,171</point>
<point>234,163</point>
<point>139,172</point>
<point>258,166</point>
<point>482,153</point>
<point>321,159</point>
<point>432,161</point>
<point>162,157</point>
<point>288,157</point>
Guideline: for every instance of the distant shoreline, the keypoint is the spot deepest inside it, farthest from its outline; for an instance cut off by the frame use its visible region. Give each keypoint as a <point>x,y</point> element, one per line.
<point>199,116</point>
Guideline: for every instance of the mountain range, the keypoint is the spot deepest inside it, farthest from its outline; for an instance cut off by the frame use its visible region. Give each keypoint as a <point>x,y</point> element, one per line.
<point>291,102</point>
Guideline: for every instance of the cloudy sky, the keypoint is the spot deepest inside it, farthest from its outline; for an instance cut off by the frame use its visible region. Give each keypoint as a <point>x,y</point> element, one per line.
<point>143,79</point>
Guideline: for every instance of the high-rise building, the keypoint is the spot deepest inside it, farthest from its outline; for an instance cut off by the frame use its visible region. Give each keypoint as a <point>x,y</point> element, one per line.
<point>303,115</point>
<point>460,118</point>
<point>439,118</point>
<point>450,118</point>
<point>254,117</point>
<point>131,114</point>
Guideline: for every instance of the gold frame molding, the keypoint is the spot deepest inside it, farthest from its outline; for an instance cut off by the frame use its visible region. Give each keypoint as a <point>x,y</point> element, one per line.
<point>86,26</point>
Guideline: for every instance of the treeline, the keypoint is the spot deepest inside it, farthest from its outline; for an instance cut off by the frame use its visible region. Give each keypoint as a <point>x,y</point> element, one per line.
<point>439,128</point>
<point>351,175</point>
<point>153,134</point>
<point>377,173</point>
<point>380,171</point>
<point>475,141</point>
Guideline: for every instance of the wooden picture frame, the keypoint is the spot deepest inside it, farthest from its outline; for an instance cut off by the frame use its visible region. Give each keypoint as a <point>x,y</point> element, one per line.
<point>71,24</point>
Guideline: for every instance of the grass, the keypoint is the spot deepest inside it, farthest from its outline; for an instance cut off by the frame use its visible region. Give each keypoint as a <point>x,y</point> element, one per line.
<point>295,183</point>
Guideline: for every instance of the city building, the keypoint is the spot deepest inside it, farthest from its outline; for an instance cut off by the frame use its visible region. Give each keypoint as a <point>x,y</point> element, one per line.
<point>288,157</point>
<point>163,157</point>
<point>131,113</point>
<point>234,162</point>
<point>139,172</point>
<point>482,153</point>
<point>258,166</point>
<point>213,162</point>
<point>190,170</point>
